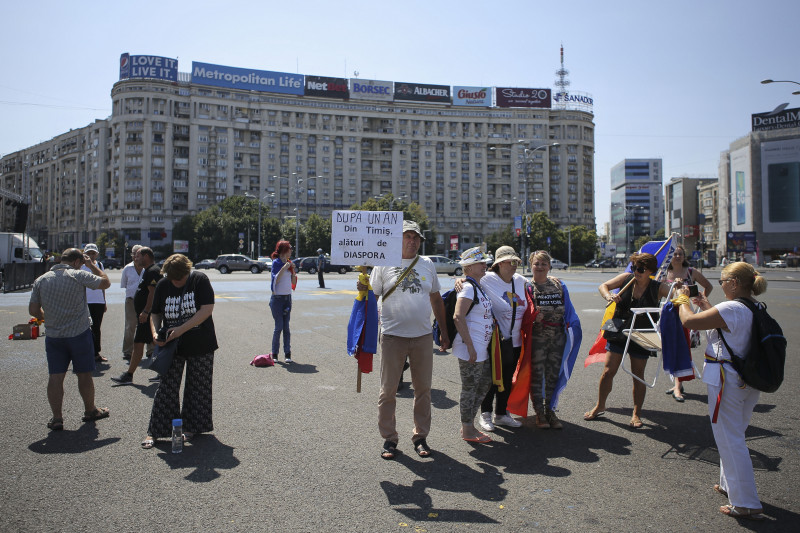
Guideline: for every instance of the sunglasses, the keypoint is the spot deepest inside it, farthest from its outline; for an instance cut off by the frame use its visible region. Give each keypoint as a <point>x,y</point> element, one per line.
<point>721,281</point>
<point>640,270</point>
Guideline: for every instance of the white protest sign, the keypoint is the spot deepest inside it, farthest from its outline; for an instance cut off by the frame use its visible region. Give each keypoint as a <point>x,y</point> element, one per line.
<point>373,238</point>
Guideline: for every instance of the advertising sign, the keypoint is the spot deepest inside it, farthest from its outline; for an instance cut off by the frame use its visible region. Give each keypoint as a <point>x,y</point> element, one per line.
<point>326,87</point>
<point>155,67</point>
<point>780,185</point>
<point>419,92</point>
<point>180,247</point>
<point>741,241</point>
<point>472,96</point>
<point>573,100</point>
<point>247,79</point>
<point>454,243</point>
<point>522,97</point>
<point>741,182</point>
<point>371,90</point>
<point>788,118</point>
<point>372,238</point>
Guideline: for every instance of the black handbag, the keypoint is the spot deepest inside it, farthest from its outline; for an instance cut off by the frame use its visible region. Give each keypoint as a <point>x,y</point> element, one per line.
<point>162,357</point>
<point>612,329</point>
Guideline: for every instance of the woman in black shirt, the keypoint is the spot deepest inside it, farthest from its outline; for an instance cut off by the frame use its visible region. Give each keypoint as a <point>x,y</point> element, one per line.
<point>182,307</point>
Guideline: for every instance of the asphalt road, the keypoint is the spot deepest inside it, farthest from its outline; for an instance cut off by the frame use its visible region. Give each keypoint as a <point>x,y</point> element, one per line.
<point>295,448</point>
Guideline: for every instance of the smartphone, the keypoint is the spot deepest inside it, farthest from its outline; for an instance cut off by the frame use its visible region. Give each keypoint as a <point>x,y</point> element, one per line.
<point>693,291</point>
<point>162,334</point>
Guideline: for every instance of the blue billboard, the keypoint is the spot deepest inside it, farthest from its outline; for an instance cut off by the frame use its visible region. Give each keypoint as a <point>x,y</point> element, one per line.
<point>247,79</point>
<point>155,67</point>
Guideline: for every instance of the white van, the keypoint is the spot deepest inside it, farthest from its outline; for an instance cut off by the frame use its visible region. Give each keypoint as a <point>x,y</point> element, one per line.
<point>18,248</point>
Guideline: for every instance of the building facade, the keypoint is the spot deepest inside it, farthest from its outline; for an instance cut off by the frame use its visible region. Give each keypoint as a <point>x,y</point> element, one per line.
<point>175,147</point>
<point>684,211</point>
<point>637,204</point>
<point>759,193</point>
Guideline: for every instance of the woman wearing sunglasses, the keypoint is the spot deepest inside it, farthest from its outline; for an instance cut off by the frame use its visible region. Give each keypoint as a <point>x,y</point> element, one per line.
<point>637,289</point>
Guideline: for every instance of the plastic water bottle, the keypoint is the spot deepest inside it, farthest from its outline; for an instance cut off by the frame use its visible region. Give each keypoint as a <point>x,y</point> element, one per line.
<point>177,435</point>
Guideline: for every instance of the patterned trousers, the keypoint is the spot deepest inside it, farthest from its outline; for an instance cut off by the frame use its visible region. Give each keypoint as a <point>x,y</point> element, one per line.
<point>546,365</point>
<point>196,411</point>
<point>476,378</point>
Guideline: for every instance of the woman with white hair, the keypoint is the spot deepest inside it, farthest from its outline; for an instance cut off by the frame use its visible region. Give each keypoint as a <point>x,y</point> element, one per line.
<point>471,343</point>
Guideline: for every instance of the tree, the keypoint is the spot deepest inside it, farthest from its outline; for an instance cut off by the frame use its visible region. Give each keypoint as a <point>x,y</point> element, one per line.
<point>411,211</point>
<point>542,228</point>
<point>317,232</point>
<point>503,237</point>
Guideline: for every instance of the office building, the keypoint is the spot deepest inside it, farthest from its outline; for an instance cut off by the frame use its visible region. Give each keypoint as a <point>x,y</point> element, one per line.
<point>685,214</point>
<point>637,206</point>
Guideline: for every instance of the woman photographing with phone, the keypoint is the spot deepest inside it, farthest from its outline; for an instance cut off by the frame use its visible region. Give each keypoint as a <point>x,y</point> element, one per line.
<point>679,270</point>
<point>284,280</point>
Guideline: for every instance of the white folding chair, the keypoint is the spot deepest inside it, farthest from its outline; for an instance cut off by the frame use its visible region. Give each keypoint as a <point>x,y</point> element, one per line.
<point>648,338</point>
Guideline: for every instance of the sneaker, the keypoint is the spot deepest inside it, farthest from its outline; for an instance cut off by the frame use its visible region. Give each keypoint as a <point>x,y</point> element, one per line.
<point>506,420</point>
<point>553,420</point>
<point>288,358</point>
<point>126,378</point>
<point>155,379</point>
<point>126,358</point>
<point>485,422</point>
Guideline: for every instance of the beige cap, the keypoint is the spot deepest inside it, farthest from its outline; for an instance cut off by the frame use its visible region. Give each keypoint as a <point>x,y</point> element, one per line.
<point>506,253</point>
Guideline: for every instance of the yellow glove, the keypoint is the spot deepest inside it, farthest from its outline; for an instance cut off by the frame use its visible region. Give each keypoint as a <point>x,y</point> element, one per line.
<point>681,300</point>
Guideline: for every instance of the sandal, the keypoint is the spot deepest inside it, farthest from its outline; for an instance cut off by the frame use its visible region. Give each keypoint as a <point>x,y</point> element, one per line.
<point>389,450</point>
<point>148,442</point>
<point>742,512</point>
<point>722,491</point>
<point>589,416</point>
<point>98,414</point>
<point>56,424</point>
<point>636,423</point>
<point>422,448</point>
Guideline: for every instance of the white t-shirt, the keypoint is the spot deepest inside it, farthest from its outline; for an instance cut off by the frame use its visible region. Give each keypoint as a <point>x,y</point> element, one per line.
<point>407,311</point>
<point>479,323</point>
<point>501,295</point>
<point>740,323</point>
<point>130,279</point>
<point>94,296</point>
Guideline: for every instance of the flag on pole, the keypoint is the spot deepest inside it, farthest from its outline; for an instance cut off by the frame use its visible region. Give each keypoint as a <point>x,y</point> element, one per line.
<point>663,251</point>
<point>362,329</point>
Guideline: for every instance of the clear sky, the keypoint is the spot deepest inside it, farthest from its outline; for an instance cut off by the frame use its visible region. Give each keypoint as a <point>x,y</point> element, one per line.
<point>676,80</point>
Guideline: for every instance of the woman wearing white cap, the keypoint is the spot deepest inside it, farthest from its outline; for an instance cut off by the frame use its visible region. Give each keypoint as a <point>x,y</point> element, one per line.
<point>474,327</point>
<point>96,300</point>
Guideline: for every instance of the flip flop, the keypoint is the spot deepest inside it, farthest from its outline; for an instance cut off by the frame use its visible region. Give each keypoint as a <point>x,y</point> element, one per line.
<point>422,448</point>
<point>598,414</point>
<point>636,424</point>
<point>98,414</point>
<point>56,424</point>
<point>483,439</point>
<point>148,443</point>
<point>389,450</point>
<point>742,512</point>
<point>722,491</point>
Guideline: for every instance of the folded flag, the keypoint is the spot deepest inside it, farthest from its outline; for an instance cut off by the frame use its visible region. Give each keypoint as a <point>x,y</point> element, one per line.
<point>362,329</point>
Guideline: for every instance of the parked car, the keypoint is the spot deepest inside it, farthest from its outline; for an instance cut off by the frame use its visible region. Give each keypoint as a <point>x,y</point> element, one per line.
<point>229,262</point>
<point>309,264</point>
<point>205,264</point>
<point>110,263</point>
<point>555,264</point>
<point>776,264</point>
<point>591,264</point>
<point>445,266</point>
<point>266,262</point>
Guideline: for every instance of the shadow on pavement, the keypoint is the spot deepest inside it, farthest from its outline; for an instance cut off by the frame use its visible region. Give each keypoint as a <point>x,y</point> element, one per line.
<point>442,473</point>
<point>80,440</point>
<point>298,368</point>
<point>204,453</point>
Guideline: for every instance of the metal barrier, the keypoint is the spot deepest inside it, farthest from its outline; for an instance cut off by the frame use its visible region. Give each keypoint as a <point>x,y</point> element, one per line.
<point>19,276</point>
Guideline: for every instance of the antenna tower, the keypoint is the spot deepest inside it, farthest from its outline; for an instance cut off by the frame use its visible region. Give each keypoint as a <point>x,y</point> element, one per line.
<point>562,83</point>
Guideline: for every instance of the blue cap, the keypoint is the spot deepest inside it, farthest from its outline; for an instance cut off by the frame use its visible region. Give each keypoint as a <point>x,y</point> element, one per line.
<point>177,422</point>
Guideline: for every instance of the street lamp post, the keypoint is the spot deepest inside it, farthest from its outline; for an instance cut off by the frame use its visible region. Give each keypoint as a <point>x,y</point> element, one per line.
<point>270,195</point>
<point>764,82</point>
<point>297,216</point>
<point>527,159</point>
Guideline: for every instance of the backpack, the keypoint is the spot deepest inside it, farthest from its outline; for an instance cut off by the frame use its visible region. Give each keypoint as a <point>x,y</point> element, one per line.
<point>450,298</point>
<point>762,367</point>
<point>263,360</point>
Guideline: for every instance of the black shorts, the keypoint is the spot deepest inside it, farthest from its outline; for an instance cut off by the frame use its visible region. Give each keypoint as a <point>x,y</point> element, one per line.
<point>634,350</point>
<point>143,333</point>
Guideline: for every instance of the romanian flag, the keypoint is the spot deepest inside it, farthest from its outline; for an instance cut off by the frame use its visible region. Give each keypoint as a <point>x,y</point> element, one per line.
<point>663,251</point>
<point>520,389</point>
<point>495,352</point>
<point>362,329</point>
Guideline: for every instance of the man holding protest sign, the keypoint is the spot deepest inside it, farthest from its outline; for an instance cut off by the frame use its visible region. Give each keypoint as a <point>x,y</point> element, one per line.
<point>408,294</point>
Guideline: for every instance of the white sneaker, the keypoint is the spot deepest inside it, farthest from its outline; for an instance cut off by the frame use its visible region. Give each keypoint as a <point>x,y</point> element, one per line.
<point>506,420</point>
<point>288,360</point>
<point>485,422</point>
